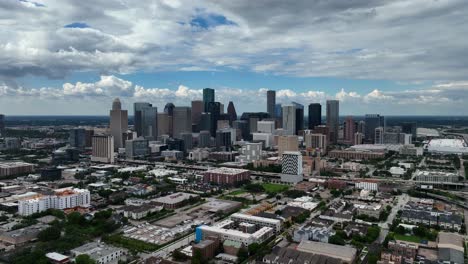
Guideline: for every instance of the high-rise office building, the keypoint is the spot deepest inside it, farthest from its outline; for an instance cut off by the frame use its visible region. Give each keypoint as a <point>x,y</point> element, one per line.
<point>103,149</point>
<point>333,115</point>
<point>315,141</point>
<point>287,143</point>
<point>118,123</point>
<point>204,139</point>
<point>169,109</point>
<point>208,97</point>
<point>2,125</point>
<point>315,115</point>
<point>373,121</point>
<point>163,124</point>
<point>299,117</point>
<point>361,127</point>
<point>205,122</point>
<point>279,115</point>
<point>243,127</point>
<point>197,109</point>
<point>289,119</point>
<point>379,135</point>
<point>77,137</point>
<point>214,109</point>
<point>271,102</point>
<point>188,141</point>
<point>182,121</point>
<point>89,133</point>
<point>223,139</point>
<point>350,128</point>
<point>291,167</point>
<point>231,111</point>
<point>266,126</point>
<point>146,120</point>
<point>137,148</point>
<point>358,138</point>
<point>410,128</point>
<point>221,108</point>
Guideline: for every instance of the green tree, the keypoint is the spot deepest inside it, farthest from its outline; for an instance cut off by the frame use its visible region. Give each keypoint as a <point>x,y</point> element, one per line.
<point>253,248</point>
<point>84,259</point>
<point>243,254</point>
<point>49,234</point>
<point>197,257</point>
<point>337,240</point>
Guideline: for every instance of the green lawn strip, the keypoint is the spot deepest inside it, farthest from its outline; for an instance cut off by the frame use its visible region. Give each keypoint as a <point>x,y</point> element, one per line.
<point>274,188</point>
<point>412,238</point>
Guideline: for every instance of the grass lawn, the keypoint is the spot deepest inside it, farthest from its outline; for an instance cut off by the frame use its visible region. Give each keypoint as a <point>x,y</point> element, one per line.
<point>237,192</point>
<point>414,239</point>
<point>274,188</point>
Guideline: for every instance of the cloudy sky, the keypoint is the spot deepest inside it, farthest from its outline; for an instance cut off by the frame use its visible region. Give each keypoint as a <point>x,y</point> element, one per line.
<point>389,57</point>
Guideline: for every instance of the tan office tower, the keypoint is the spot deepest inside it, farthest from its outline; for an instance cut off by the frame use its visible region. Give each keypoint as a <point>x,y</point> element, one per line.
<point>182,117</point>
<point>358,138</point>
<point>287,143</point>
<point>316,141</point>
<point>103,149</point>
<point>163,124</point>
<point>350,128</point>
<point>118,123</point>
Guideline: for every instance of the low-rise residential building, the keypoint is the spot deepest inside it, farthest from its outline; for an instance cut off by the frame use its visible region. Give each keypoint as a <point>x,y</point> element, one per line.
<point>226,176</point>
<point>141,211</point>
<point>371,210</point>
<point>313,233</point>
<point>101,253</point>
<point>175,200</point>
<point>450,248</point>
<point>346,254</point>
<point>15,168</point>
<point>18,237</point>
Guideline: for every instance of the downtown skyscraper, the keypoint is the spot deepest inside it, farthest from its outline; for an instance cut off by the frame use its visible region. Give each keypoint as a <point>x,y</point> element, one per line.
<point>333,115</point>
<point>208,97</point>
<point>315,115</point>
<point>289,119</point>
<point>373,121</point>
<point>271,102</point>
<point>146,120</point>
<point>183,121</point>
<point>118,123</point>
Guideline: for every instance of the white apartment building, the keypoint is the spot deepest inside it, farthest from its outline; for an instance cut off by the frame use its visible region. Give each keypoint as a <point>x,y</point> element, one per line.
<point>61,199</point>
<point>250,152</point>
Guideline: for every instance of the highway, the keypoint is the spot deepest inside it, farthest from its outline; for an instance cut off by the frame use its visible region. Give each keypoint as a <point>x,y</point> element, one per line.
<point>275,176</point>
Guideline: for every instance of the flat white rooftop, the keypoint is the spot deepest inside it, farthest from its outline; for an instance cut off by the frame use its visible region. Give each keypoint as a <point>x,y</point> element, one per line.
<point>447,145</point>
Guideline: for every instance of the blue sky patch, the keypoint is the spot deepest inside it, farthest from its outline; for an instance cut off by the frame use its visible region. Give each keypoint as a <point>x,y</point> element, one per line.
<point>210,20</point>
<point>77,25</point>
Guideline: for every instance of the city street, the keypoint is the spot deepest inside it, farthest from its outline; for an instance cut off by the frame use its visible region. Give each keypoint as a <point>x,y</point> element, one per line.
<point>402,200</point>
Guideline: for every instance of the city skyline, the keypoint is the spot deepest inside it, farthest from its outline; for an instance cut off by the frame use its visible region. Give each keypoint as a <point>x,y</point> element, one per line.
<point>168,51</point>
